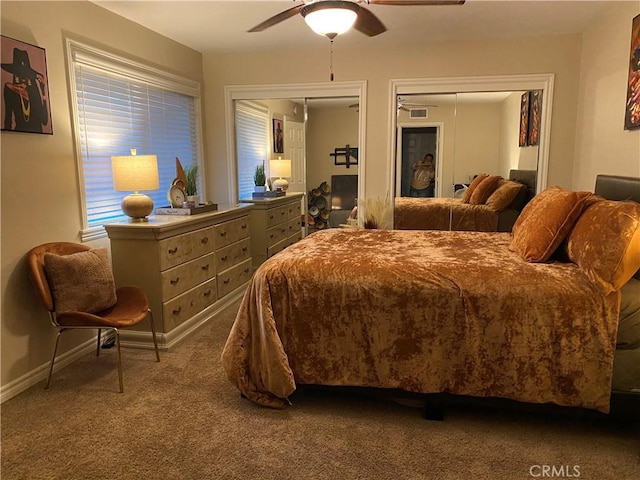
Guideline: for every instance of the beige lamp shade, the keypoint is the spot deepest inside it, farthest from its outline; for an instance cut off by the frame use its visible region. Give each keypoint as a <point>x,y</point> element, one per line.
<point>280,168</point>
<point>133,173</point>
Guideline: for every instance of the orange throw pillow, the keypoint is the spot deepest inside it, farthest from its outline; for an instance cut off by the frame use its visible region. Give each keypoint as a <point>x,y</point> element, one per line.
<point>472,186</point>
<point>484,189</point>
<point>545,222</point>
<point>504,195</point>
<point>605,243</point>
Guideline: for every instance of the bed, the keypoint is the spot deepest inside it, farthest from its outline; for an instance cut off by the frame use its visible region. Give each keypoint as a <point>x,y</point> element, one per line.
<point>430,312</point>
<point>485,214</point>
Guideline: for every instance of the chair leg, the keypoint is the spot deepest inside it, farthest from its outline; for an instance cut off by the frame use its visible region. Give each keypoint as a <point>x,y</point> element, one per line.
<point>119,360</point>
<point>153,334</point>
<point>53,358</point>
<point>98,347</point>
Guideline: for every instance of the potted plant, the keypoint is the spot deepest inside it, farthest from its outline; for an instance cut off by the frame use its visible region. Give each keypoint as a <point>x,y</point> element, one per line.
<point>191,174</point>
<point>259,178</point>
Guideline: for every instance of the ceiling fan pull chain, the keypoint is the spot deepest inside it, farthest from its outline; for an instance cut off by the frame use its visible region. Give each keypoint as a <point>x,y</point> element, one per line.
<point>331,60</point>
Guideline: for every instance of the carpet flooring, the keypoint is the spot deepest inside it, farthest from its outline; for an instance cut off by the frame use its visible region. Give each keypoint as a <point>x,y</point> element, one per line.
<point>182,419</point>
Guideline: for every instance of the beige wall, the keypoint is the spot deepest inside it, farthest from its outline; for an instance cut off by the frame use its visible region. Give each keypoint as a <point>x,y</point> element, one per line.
<point>602,145</point>
<point>40,194</point>
<point>329,128</point>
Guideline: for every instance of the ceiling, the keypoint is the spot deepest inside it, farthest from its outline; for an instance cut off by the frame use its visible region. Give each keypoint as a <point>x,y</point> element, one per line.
<point>212,26</point>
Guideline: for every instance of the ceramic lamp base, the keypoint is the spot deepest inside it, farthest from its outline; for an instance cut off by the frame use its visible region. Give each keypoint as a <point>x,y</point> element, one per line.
<point>280,184</point>
<point>137,206</point>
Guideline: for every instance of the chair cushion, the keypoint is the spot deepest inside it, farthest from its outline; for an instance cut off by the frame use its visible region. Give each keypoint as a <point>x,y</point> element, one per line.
<point>484,189</point>
<point>605,242</point>
<point>545,222</point>
<point>504,195</point>
<point>472,186</point>
<point>81,282</point>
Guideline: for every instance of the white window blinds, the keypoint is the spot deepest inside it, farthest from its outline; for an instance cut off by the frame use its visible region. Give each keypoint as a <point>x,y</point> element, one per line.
<point>252,141</point>
<point>120,105</point>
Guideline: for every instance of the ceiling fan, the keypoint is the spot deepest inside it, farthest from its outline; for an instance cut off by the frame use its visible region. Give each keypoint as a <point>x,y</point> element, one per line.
<point>342,15</point>
<point>403,104</point>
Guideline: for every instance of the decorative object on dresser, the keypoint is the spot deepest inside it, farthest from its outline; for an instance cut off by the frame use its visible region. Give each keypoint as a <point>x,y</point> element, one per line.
<point>188,265</point>
<point>192,185</point>
<point>280,168</point>
<point>133,173</point>
<point>275,224</point>
<point>259,179</point>
<point>76,287</point>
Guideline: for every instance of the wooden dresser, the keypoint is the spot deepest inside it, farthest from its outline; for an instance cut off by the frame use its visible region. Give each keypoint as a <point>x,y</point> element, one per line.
<point>275,224</point>
<point>186,265</point>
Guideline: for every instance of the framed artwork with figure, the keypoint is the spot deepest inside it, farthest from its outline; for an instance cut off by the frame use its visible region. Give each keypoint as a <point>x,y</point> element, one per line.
<point>535,108</point>
<point>632,110</point>
<point>278,136</point>
<point>25,102</point>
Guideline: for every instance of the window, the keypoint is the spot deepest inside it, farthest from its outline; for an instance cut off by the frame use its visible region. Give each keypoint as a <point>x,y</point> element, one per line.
<point>120,105</point>
<point>252,140</point>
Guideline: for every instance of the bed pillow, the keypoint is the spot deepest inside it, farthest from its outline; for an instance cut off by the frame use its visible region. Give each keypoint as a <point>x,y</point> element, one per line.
<point>484,189</point>
<point>472,186</point>
<point>505,193</point>
<point>605,242</point>
<point>545,221</point>
<point>81,282</point>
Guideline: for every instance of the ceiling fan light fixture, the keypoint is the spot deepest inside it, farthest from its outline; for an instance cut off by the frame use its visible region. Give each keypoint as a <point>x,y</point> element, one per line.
<point>330,18</point>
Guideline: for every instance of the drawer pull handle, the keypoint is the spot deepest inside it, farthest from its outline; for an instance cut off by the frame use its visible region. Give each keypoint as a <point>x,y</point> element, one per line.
<point>270,217</point>
<point>226,281</point>
<point>282,213</point>
<point>205,267</point>
<point>174,282</point>
<point>204,240</point>
<point>177,311</point>
<point>223,234</point>
<point>207,293</point>
<point>224,258</point>
<point>246,270</point>
<point>244,249</point>
<point>244,226</point>
<point>271,235</point>
<point>172,250</point>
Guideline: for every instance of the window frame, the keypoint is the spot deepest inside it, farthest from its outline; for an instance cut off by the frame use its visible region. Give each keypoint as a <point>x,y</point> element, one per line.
<point>78,52</point>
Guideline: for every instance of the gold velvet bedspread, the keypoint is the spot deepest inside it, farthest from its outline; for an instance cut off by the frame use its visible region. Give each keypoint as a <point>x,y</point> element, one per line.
<point>422,311</point>
<point>434,214</point>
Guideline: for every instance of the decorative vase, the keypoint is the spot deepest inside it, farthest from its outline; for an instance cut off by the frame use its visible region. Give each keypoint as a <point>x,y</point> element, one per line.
<point>194,199</point>
<point>260,188</point>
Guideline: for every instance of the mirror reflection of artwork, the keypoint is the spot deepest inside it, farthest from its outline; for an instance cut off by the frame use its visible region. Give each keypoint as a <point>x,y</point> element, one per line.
<point>535,108</point>
<point>25,91</point>
<point>524,120</point>
<point>632,113</point>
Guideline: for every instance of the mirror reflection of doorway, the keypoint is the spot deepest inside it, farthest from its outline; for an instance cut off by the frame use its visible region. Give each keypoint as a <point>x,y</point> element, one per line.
<point>416,143</point>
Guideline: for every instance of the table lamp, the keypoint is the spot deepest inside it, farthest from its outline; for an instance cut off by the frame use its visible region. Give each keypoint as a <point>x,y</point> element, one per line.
<point>133,173</point>
<point>280,168</point>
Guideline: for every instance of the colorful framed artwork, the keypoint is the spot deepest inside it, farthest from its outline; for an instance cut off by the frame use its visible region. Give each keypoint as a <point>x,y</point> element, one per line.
<point>25,102</point>
<point>524,120</point>
<point>535,107</point>
<point>632,109</point>
<point>278,136</point>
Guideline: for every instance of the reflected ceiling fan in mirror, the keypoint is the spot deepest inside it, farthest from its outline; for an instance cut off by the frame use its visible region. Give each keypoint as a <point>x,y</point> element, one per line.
<point>416,109</point>
<point>332,18</point>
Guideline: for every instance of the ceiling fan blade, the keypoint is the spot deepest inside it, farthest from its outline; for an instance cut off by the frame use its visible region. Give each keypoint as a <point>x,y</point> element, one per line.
<point>280,17</point>
<point>368,23</point>
<point>416,2</point>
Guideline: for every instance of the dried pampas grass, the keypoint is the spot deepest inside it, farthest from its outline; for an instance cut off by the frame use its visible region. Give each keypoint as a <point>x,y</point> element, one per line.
<point>377,212</point>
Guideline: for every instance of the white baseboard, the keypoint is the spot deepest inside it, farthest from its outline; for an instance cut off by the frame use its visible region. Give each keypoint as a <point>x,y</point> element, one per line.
<point>128,339</point>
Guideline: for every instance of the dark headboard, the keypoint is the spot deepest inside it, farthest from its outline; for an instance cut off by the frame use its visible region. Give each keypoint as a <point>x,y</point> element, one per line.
<point>614,187</point>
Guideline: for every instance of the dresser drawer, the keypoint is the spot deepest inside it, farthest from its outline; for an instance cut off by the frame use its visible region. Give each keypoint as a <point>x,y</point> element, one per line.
<point>276,234</point>
<point>293,226</point>
<point>293,211</point>
<point>229,256</point>
<point>234,277</point>
<point>229,232</point>
<point>182,248</point>
<point>179,279</point>
<point>276,215</point>
<point>185,306</point>
<point>278,247</point>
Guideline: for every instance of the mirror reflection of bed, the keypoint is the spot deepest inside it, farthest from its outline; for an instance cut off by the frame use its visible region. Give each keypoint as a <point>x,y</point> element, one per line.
<point>468,133</point>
